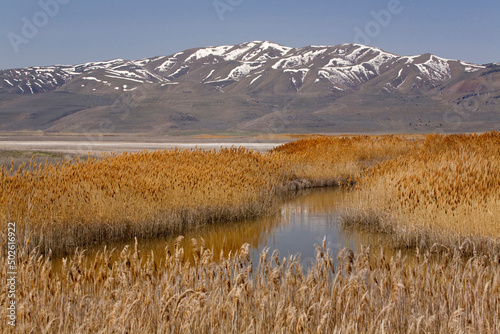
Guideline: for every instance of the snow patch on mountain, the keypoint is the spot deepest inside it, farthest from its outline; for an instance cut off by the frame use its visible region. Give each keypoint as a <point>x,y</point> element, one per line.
<point>468,67</point>
<point>210,51</point>
<point>298,60</point>
<point>145,61</point>
<point>166,65</point>
<point>91,78</point>
<point>435,68</point>
<point>238,51</point>
<point>29,86</point>
<point>243,70</point>
<point>86,67</point>
<point>269,45</point>
<point>358,66</point>
<point>236,73</point>
<point>338,62</point>
<point>302,71</point>
<point>208,76</point>
<point>184,69</point>
<point>255,79</point>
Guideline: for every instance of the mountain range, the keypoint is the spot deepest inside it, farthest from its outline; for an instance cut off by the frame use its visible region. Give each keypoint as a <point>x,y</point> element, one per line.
<point>252,87</point>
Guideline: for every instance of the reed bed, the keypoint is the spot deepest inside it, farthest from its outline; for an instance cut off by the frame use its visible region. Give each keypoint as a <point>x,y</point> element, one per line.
<point>362,293</point>
<point>15,159</point>
<point>75,203</point>
<point>62,205</point>
<point>440,194</point>
<point>444,190</point>
<point>327,161</point>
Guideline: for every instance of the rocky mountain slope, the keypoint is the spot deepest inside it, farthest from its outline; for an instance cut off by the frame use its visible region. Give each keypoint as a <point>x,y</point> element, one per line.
<point>255,87</point>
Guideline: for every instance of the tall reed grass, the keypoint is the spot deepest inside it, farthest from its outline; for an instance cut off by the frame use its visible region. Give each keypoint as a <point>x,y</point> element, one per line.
<point>358,295</point>
<point>80,202</point>
<point>144,194</point>
<point>444,190</point>
<point>325,160</point>
<point>442,193</point>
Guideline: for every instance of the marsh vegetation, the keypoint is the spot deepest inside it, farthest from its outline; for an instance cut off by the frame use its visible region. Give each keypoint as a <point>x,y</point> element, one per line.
<point>438,196</point>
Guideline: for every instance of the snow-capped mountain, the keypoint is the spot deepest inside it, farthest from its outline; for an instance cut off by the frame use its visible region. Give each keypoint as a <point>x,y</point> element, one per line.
<point>243,87</point>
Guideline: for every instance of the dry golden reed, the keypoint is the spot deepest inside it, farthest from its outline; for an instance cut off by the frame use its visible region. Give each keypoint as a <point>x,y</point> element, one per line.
<point>360,293</point>
<point>442,189</point>
<point>445,190</point>
<point>326,160</point>
<point>76,203</point>
<point>141,194</point>
<point>442,192</point>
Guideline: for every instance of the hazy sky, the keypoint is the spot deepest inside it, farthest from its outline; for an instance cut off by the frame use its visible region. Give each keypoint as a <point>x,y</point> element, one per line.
<point>48,32</point>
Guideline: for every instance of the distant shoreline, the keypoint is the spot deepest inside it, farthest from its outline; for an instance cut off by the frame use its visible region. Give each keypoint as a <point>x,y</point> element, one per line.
<point>108,146</point>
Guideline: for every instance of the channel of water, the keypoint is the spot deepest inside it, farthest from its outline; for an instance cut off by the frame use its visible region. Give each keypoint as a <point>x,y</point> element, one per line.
<point>299,221</point>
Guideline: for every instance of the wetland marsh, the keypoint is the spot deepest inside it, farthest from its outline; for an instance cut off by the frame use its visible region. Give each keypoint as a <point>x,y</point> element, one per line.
<point>437,197</point>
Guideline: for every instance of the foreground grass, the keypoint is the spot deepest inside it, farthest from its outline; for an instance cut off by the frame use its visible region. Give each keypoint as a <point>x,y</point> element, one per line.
<point>133,295</point>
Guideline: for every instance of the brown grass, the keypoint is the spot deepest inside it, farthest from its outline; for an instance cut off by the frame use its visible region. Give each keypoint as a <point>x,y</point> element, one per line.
<point>143,194</point>
<point>133,295</point>
<point>323,160</point>
<point>438,189</point>
<point>77,203</point>
<point>442,193</point>
<point>445,190</point>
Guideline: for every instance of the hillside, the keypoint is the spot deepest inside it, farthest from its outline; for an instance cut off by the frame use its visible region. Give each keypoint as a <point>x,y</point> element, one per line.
<point>255,87</point>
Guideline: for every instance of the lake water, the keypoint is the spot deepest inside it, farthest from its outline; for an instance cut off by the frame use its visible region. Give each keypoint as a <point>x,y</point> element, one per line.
<point>298,222</point>
<point>99,146</point>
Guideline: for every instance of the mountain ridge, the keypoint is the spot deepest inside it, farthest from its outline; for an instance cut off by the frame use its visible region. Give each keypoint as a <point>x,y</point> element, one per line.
<point>256,86</point>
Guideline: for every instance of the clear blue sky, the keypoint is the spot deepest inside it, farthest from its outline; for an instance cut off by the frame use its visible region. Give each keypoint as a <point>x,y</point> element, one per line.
<point>91,30</point>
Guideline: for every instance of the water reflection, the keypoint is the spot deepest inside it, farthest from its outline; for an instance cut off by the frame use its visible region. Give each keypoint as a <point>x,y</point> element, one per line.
<point>305,219</point>
<point>298,222</point>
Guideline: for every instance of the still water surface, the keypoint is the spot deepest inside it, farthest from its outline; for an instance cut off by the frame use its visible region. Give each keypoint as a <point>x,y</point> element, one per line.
<point>298,222</point>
